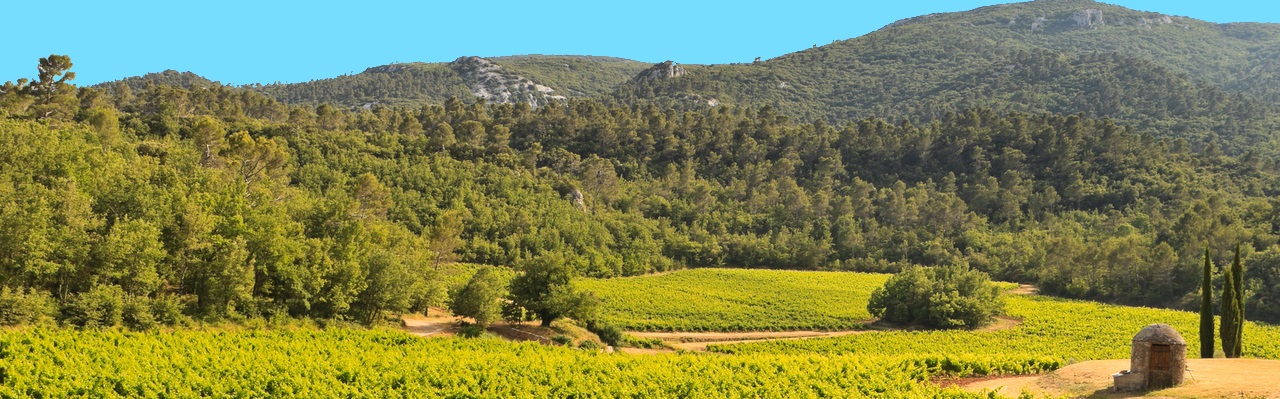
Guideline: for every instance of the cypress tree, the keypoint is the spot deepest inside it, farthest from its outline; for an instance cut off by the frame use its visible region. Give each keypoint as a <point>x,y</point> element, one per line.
<point>1206,308</point>
<point>1227,329</point>
<point>1237,275</point>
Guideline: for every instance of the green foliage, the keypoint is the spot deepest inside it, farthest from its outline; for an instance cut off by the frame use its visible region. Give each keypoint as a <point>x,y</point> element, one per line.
<point>544,287</point>
<point>168,77</point>
<point>563,340</point>
<point>1009,59</point>
<point>24,306</point>
<point>480,298</point>
<point>608,333</point>
<point>1054,332</point>
<point>471,331</point>
<point>736,300</point>
<point>589,345</point>
<point>136,313</point>
<point>101,306</point>
<point>1206,308</point>
<point>938,297</point>
<point>267,210</point>
<point>340,362</point>
<point>418,84</point>
<point>1233,295</point>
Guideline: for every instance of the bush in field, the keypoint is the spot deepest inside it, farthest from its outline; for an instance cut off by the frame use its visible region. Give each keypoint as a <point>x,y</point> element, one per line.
<point>24,306</point>
<point>937,297</point>
<point>608,333</point>
<point>102,306</point>
<point>480,298</point>
<point>545,288</point>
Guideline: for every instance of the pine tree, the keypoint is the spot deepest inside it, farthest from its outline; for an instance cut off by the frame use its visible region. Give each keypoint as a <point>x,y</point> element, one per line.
<point>1227,329</point>
<point>1206,308</point>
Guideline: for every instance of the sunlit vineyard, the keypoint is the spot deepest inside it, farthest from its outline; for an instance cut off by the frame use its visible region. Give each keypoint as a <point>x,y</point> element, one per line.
<point>737,300</point>
<point>1062,330</point>
<point>340,362</point>
<point>354,363</point>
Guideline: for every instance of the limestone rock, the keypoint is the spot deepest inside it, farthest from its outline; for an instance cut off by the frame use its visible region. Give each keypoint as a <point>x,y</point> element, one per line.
<point>489,81</point>
<point>662,70</point>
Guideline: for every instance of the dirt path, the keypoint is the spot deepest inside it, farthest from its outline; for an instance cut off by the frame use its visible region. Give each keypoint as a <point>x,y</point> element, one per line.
<point>1206,378</point>
<point>433,326</point>
<point>1025,289</point>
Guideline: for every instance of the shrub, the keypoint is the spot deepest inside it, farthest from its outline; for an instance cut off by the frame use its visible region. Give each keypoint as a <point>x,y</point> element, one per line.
<point>562,340</point>
<point>136,313</point>
<point>937,297</point>
<point>515,313</point>
<point>480,298</point>
<point>471,331</point>
<point>589,345</point>
<point>168,310</point>
<point>101,306</point>
<point>24,306</point>
<point>608,333</point>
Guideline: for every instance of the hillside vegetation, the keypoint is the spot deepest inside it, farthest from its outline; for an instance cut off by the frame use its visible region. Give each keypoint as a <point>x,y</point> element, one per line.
<point>925,68</point>
<point>417,84</point>
<point>221,202</point>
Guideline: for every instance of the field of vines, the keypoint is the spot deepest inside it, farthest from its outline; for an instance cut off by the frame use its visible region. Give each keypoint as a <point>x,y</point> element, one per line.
<point>310,363</point>
<point>737,300</point>
<point>1052,330</point>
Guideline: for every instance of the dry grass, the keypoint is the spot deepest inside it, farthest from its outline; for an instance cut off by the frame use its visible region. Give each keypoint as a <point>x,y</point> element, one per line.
<point>1207,378</point>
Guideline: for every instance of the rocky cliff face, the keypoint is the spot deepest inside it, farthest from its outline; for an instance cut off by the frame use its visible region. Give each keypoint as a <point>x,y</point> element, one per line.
<point>495,85</point>
<point>662,70</point>
<point>1092,18</point>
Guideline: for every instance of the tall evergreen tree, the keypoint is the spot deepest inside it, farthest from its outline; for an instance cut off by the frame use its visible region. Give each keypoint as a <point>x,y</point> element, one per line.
<point>1237,275</point>
<point>1206,308</point>
<point>1227,329</point>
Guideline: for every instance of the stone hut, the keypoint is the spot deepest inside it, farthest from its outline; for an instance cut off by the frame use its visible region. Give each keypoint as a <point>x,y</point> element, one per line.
<point>1158,360</point>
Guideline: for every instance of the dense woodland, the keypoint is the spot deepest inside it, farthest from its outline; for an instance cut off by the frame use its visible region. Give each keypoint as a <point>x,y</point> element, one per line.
<point>216,201</point>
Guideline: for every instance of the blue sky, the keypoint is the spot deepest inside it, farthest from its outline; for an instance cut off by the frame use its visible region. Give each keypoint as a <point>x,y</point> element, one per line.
<point>264,41</point>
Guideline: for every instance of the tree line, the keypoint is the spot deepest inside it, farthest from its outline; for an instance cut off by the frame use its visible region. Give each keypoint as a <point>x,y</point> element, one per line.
<point>213,201</point>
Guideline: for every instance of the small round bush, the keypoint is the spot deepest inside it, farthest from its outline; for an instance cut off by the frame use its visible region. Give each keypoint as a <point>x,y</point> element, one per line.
<point>24,306</point>
<point>937,297</point>
<point>471,331</point>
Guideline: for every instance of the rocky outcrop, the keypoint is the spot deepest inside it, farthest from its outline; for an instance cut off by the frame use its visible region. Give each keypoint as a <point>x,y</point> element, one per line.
<point>489,81</point>
<point>1090,18</point>
<point>662,70</point>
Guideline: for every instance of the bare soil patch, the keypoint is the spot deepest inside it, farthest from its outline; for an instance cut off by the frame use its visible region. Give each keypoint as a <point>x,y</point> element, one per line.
<point>1206,378</point>
<point>524,332</point>
<point>1025,289</point>
<point>437,323</point>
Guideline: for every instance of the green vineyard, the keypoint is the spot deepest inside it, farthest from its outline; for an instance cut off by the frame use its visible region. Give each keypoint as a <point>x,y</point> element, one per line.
<point>368,364</point>
<point>342,362</point>
<point>737,300</point>
<point>1065,330</point>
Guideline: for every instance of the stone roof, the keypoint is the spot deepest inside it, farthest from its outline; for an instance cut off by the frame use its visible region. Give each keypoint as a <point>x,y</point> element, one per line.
<point>1159,333</point>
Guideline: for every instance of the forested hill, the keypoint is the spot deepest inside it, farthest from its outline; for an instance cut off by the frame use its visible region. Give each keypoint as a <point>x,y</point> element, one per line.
<point>223,201</point>
<point>168,77</point>
<point>1222,54</point>
<point>1167,76</point>
<point>1213,85</point>
<point>533,79</point>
